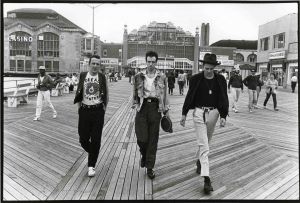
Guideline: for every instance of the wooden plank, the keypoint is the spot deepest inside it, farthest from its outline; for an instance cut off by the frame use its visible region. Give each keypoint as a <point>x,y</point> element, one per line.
<point>66,178</point>
<point>271,183</point>
<point>18,191</point>
<point>129,173</point>
<point>286,184</point>
<point>285,195</point>
<point>7,196</point>
<point>25,183</point>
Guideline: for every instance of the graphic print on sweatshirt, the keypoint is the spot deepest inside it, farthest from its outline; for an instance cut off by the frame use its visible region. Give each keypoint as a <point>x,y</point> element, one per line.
<point>91,90</point>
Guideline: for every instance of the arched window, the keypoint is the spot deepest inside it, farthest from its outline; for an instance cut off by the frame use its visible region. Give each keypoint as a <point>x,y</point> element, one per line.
<point>48,44</point>
<point>251,58</point>
<point>48,51</point>
<point>20,44</point>
<point>239,57</point>
<point>20,51</point>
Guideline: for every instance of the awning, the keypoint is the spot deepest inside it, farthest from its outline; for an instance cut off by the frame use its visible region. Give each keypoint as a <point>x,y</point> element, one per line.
<point>247,67</point>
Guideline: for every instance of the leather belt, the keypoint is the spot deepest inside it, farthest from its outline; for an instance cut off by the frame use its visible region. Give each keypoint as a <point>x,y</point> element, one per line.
<point>206,108</point>
<point>150,99</point>
<point>84,106</point>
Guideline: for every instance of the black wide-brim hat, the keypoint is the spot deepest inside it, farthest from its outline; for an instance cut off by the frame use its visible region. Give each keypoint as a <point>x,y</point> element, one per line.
<point>166,124</point>
<point>210,59</point>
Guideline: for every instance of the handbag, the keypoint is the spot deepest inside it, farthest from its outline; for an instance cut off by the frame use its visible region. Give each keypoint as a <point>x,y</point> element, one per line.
<point>166,124</point>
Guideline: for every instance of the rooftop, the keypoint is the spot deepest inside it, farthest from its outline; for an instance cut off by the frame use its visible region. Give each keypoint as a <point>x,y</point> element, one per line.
<point>239,44</point>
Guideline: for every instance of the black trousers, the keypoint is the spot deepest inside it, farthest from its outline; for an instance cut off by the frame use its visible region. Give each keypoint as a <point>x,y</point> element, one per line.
<point>90,127</point>
<point>274,100</point>
<point>147,123</point>
<point>294,86</point>
<point>170,90</point>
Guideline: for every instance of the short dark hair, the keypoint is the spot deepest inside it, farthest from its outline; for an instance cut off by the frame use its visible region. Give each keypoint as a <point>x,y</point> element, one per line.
<point>272,74</point>
<point>94,56</point>
<point>151,54</point>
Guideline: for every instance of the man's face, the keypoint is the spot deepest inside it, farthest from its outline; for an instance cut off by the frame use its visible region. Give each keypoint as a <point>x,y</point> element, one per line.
<point>208,69</point>
<point>151,62</point>
<point>253,73</point>
<point>94,65</point>
<point>42,72</point>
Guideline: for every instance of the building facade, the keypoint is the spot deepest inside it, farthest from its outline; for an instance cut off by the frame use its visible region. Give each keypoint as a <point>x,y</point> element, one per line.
<point>235,52</point>
<point>278,48</point>
<point>175,47</point>
<point>35,37</point>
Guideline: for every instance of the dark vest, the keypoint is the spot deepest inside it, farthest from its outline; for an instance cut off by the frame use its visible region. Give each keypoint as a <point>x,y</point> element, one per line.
<point>102,88</point>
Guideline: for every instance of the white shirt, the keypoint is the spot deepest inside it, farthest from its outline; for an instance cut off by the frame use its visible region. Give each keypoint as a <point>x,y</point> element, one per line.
<point>149,88</point>
<point>294,78</point>
<point>91,90</point>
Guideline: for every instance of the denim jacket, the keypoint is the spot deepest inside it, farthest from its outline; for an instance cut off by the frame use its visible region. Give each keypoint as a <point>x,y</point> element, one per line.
<point>160,84</point>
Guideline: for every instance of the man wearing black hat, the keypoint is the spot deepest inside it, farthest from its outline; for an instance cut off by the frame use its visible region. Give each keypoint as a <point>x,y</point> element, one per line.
<point>92,98</point>
<point>207,95</point>
<point>251,81</point>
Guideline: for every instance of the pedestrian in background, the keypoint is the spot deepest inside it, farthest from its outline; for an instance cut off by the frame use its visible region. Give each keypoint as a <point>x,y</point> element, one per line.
<point>91,98</point>
<point>235,87</point>
<point>207,95</point>
<point>150,100</point>
<point>45,84</point>
<point>171,82</point>
<point>251,82</point>
<point>294,81</point>
<point>271,89</point>
<point>260,83</point>
<point>181,82</point>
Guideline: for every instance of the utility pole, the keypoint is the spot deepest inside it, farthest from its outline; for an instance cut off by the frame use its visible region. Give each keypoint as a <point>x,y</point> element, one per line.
<point>93,38</point>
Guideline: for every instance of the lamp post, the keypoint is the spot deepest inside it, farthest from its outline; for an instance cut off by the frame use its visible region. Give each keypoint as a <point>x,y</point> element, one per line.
<point>93,38</point>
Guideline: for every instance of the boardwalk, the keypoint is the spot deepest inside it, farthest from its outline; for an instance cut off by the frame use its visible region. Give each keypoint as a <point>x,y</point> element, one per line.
<point>254,157</point>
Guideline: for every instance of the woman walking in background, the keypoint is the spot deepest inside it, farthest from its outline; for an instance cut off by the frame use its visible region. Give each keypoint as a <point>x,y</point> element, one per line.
<point>171,82</point>
<point>271,89</point>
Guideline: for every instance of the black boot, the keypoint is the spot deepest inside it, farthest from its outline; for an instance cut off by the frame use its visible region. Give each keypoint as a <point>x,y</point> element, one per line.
<point>198,170</point>
<point>207,185</point>
<point>150,173</point>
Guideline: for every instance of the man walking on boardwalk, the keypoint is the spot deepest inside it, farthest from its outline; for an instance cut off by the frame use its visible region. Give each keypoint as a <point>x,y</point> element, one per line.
<point>235,86</point>
<point>251,81</point>
<point>45,84</point>
<point>92,98</point>
<point>207,95</point>
<point>150,100</point>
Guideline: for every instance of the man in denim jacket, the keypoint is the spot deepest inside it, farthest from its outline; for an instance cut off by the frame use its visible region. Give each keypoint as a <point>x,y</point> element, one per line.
<point>150,100</point>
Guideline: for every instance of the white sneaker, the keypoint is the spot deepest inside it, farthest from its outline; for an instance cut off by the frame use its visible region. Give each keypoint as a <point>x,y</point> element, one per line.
<point>91,172</point>
<point>54,115</point>
<point>250,110</point>
<point>235,111</point>
<point>36,118</point>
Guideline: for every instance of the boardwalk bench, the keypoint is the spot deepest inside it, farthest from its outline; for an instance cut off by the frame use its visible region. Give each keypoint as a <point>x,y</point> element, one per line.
<point>57,91</point>
<point>20,96</point>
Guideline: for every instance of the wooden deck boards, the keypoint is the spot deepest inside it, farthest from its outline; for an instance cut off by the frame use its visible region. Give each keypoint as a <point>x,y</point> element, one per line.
<point>253,157</point>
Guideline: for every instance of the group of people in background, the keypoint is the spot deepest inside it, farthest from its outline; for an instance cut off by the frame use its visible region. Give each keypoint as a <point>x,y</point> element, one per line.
<point>254,84</point>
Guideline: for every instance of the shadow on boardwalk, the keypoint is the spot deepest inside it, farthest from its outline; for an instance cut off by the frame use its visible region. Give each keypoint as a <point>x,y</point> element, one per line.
<point>44,161</point>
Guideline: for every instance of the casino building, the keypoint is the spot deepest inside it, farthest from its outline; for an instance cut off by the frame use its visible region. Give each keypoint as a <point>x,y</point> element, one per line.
<point>35,37</point>
<point>177,49</point>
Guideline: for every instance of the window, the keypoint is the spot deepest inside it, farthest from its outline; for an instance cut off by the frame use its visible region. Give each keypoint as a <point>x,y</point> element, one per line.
<point>88,44</point>
<point>264,43</point>
<point>251,58</point>
<point>20,44</point>
<point>104,52</point>
<point>48,45</point>
<point>12,65</point>
<point>239,57</point>
<point>28,66</point>
<point>279,40</point>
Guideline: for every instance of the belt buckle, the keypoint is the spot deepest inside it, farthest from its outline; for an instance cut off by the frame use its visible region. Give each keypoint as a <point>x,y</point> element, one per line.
<point>149,100</point>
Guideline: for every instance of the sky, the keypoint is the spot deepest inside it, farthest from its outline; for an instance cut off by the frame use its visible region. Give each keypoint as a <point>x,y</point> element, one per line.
<point>235,21</point>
